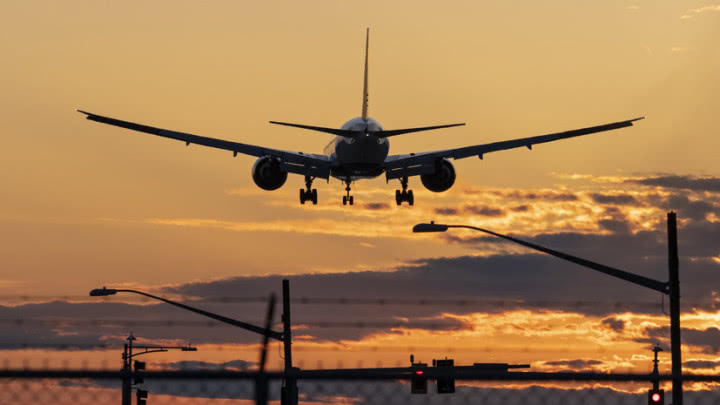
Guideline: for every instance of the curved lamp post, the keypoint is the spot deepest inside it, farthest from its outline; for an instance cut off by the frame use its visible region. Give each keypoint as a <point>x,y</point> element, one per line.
<point>102,292</point>
<point>670,288</point>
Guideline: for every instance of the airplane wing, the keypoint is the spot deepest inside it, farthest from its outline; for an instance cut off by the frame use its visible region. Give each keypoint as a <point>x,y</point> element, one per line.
<point>413,164</point>
<point>307,164</point>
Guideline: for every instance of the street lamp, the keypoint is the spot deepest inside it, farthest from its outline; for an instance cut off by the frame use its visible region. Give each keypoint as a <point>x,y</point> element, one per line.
<point>103,292</point>
<point>670,288</point>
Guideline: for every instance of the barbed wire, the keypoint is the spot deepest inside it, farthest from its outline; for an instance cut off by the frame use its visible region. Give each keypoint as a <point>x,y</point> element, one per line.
<point>179,323</point>
<point>315,347</point>
<point>379,301</point>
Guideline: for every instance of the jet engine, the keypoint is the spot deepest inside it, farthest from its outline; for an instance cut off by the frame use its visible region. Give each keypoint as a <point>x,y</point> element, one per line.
<point>442,179</point>
<point>267,174</point>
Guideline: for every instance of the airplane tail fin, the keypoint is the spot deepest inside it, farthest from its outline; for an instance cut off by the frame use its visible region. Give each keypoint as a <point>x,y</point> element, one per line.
<point>365,81</point>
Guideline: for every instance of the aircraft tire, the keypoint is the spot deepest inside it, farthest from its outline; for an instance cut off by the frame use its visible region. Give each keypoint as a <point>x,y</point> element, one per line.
<point>398,197</point>
<point>351,200</point>
<point>302,196</point>
<point>344,200</point>
<point>410,197</point>
<point>313,196</point>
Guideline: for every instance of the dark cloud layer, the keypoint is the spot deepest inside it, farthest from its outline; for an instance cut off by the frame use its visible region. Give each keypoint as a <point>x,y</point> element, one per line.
<point>493,284</point>
<point>377,206</point>
<point>701,364</point>
<point>483,211</point>
<point>705,340</point>
<point>241,365</point>
<point>577,364</point>
<point>615,324</point>
<point>693,183</point>
<point>618,199</point>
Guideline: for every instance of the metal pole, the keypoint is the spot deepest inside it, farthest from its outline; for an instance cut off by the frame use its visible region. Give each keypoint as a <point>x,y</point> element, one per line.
<point>126,388</point>
<point>674,281</point>
<point>261,382</point>
<point>289,394</point>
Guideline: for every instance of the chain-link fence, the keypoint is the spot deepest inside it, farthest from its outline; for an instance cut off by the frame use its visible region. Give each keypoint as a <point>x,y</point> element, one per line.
<point>344,387</point>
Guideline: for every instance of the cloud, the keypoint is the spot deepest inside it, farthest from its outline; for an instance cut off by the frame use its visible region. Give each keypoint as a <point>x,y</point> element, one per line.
<point>701,364</point>
<point>699,10</point>
<point>617,199</point>
<point>376,206</point>
<point>687,208</point>
<point>705,340</point>
<point>446,211</point>
<point>241,365</point>
<point>614,323</point>
<point>483,210</point>
<point>578,364</point>
<point>710,184</point>
<point>708,339</point>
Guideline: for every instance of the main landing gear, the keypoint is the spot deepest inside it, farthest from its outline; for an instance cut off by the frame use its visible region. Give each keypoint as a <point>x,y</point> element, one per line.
<point>347,199</point>
<point>308,194</point>
<point>405,195</point>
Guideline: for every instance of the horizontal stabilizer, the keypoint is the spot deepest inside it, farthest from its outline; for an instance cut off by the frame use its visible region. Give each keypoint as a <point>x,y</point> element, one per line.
<point>352,133</point>
<point>334,131</point>
<point>393,132</point>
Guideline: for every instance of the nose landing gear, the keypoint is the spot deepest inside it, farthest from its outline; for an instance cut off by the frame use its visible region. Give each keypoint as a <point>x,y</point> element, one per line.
<point>308,194</point>
<point>405,195</point>
<point>347,199</point>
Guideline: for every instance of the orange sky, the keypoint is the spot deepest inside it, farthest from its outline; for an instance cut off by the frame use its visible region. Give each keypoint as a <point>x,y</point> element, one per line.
<point>84,205</point>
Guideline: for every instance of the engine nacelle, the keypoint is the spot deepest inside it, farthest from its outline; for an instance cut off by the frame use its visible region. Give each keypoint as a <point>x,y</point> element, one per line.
<point>267,174</point>
<point>442,179</point>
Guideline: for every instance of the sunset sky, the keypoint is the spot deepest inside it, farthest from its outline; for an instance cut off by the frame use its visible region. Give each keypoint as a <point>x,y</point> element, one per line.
<point>85,205</point>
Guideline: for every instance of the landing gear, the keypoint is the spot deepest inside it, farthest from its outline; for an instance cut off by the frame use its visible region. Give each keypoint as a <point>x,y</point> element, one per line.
<point>308,194</point>
<point>347,199</point>
<point>405,195</point>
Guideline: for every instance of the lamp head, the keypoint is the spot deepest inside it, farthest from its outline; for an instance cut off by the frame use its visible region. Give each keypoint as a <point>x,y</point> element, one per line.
<point>102,292</point>
<point>431,227</point>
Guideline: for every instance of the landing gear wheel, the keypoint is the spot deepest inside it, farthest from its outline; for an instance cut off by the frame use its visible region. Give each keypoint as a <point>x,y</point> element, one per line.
<point>309,194</point>
<point>405,195</point>
<point>347,198</point>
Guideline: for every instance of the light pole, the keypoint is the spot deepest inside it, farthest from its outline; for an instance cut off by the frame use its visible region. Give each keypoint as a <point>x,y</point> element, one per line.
<point>127,362</point>
<point>102,292</point>
<point>670,288</point>
<point>266,332</point>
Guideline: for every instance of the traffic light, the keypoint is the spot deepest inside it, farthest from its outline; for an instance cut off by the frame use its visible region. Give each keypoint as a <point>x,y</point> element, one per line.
<point>418,381</point>
<point>445,385</point>
<point>656,397</point>
<point>141,397</point>
<point>139,367</point>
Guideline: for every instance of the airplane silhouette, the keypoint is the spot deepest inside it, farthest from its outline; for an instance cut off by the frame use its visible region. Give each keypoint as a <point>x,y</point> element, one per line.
<point>358,151</point>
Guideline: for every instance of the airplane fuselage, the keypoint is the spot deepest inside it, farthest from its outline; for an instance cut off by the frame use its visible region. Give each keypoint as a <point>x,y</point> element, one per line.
<point>360,157</point>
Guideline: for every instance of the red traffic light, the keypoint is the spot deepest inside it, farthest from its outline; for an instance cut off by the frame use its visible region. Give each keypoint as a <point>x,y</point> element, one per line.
<point>656,397</point>
<point>418,372</point>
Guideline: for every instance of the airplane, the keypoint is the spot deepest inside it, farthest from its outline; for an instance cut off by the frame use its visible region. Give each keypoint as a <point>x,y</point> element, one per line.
<point>360,150</point>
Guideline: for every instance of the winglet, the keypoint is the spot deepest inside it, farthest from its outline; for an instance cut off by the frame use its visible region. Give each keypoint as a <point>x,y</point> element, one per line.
<point>365,81</point>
